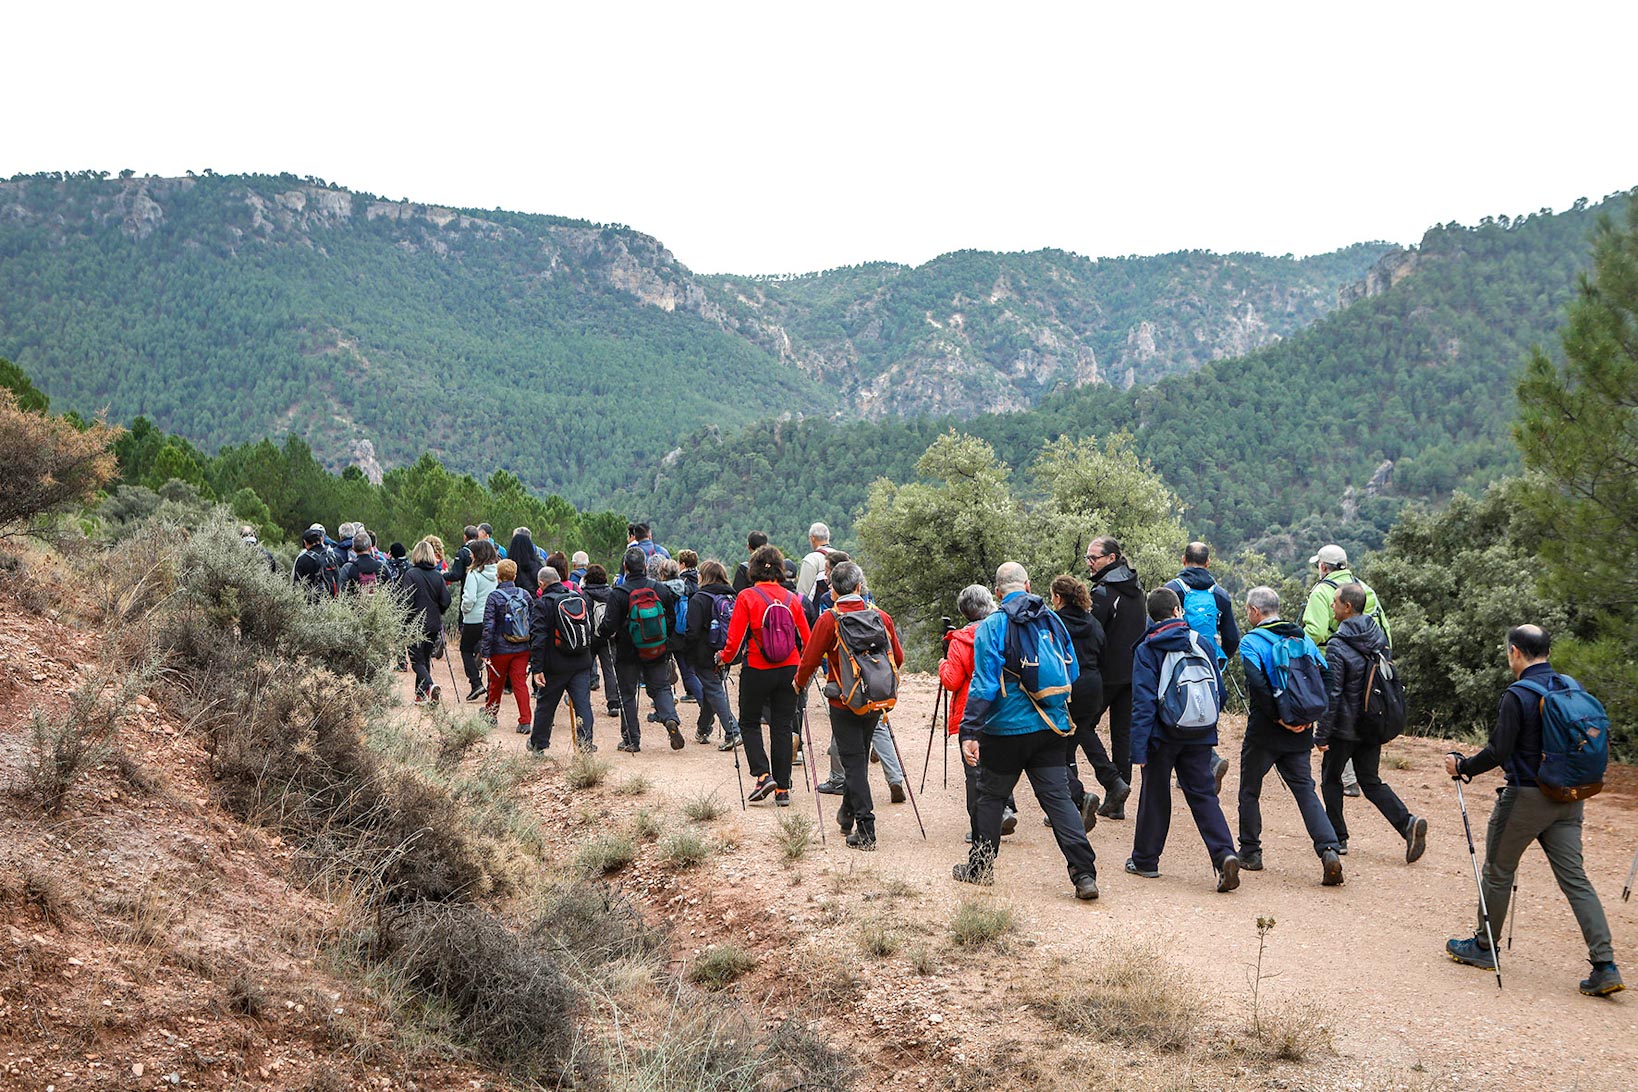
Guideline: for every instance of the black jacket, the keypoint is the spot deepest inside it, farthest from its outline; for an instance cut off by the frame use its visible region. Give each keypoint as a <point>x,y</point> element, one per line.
<point>1119,607</point>
<point>1263,728</point>
<point>309,572</point>
<point>1515,742</point>
<point>427,597</point>
<point>361,565</point>
<point>696,642</point>
<point>545,658</point>
<point>522,552</point>
<point>614,624</point>
<point>742,576</point>
<point>1086,695</point>
<point>1348,658</point>
<point>463,561</point>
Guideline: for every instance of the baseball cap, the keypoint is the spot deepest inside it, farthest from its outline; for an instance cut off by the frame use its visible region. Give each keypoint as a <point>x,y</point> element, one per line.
<point>1330,555</point>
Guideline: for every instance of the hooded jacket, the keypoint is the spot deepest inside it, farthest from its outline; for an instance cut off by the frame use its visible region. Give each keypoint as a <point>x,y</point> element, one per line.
<point>955,672</point>
<point>697,641</point>
<point>1199,578</point>
<point>1348,658</point>
<point>427,597</point>
<point>545,658</point>
<point>1007,711</point>
<point>475,593</point>
<point>1117,604</point>
<point>494,642</point>
<point>1085,700</point>
<point>1263,727</point>
<point>1163,637</point>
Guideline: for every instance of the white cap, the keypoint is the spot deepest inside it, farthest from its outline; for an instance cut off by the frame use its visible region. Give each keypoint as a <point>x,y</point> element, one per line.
<point>1332,555</point>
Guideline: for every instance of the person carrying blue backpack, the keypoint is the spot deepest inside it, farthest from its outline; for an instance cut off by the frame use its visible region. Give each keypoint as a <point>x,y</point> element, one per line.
<point>1210,613</point>
<point>1285,690</point>
<point>1551,741</point>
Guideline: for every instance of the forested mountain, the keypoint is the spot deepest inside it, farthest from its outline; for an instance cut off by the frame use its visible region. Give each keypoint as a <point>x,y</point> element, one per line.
<point>1406,393</point>
<point>227,309</point>
<point>975,331</point>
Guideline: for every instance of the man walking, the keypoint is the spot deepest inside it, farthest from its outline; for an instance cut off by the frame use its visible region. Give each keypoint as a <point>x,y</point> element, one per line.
<point>560,660</point>
<point>1273,743</point>
<point>1117,604</point>
<point>640,634</point>
<point>1320,624</point>
<point>1007,731</point>
<point>1210,612</point>
<point>813,565</point>
<point>1524,814</point>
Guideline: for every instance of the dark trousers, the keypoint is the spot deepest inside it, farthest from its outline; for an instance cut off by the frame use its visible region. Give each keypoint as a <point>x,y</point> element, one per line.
<point>1040,756</point>
<point>577,686</point>
<point>1192,761</point>
<point>714,705</point>
<point>852,734</point>
<point>655,675</point>
<point>970,775</point>
<point>690,678</point>
<point>420,657</point>
<point>1297,773</point>
<point>1117,702</point>
<point>1524,815</point>
<point>1083,714</point>
<point>1367,758</point>
<point>758,687</point>
<point>604,660</point>
<point>471,662</point>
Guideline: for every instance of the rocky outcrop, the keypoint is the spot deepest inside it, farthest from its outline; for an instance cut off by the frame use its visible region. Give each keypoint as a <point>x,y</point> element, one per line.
<point>1389,270</point>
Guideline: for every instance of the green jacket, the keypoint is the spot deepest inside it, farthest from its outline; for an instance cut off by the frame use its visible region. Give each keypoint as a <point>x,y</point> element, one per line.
<point>1318,621</point>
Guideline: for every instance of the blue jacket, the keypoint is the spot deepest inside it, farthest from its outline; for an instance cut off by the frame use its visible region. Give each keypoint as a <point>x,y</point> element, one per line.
<point>1009,713</point>
<point>1198,578</point>
<point>1171,635</point>
<point>493,641</point>
<point>1263,726</point>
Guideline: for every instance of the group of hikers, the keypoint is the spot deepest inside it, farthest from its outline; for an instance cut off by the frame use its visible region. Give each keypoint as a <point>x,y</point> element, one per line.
<point>1025,682</point>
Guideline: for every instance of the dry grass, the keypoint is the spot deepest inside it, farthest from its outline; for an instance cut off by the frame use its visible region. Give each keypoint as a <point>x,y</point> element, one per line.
<point>635,785</point>
<point>981,924</point>
<point>1131,994</point>
<point>684,849</point>
<point>717,967</point>
<point>604,854</point>
<point>1289,1031</point>
<point>924,959</point>
<point>704,807</point>
<point>63,747</point>
<point>796,835</point>
<point>645,825</point>
<point>586,771</point>
<point>879,938</point>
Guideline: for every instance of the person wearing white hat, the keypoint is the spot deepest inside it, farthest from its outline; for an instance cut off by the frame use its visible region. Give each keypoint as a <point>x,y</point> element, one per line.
<point>1320,624</point>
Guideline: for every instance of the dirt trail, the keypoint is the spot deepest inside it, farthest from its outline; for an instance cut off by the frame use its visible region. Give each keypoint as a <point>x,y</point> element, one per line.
<point>1371,951</point>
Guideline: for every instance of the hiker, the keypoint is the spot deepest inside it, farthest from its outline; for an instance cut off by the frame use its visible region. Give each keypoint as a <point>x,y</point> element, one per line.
<point>955,674</point>
<point>560,660</point>
<point>247,535</point>
<point>1342,737</point>
<point>1524,813</point>
<point>1072,604</point>
<point>485,531</point>
<point>482,578</point>
<point>463,556</point>
<point>771,629</point>
<point>362,575</point>
<point>843,639</point>
<point>396,565</point>
<point>644,541</point>
<point>577,574</point>
<point>1320,624</point>
<point>427,597</point>
<point>710,615</point>
<point>438,555</point>
<point>1177,697</point>
<point>1285,692</point>
<point>522,553</point>
<point>813,565</point>
<point>742,572</point>
<point>882,749</point>
<point>1014,724</point>
<point>670,574</point>
<point>504,645</point>
<point>309,572</point>
<point>638,621</point>
<point>688,570</point>
<point>1118,605</point>
<point>1210,612</point>
<point>558,561</point>
<point>597,590</point>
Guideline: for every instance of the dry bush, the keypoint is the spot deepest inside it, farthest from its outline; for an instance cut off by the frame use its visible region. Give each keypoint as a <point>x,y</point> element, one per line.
<point>703,807</point>
<point>1288,1031</point>
<point>50,463</point>
<point>981,924</point>
<point>796,833</point>
<point>40,890</point>
<point>923,959</point>
<point>684,849</point>
<point>66,745</point>
<point>879,938</point>
<point>511,1004</point>
<point>457,734</point>
<point>718,966</point>
<point>1131,994</point>
<point>593,925</point>
<point>245,996</point>
<point>823,975</point>
<point>635,785</point>
<point>604,854</point>
<point>586,771</point>
<point>645,825</point>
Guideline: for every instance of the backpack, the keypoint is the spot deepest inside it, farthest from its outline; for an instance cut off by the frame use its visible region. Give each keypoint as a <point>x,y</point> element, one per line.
<point>1298,679</point>
<point>1200,609</point>
<point>776,634</point>
<point>1383,714</point>
<point>599,611</point>
<point>515,625</point>
<point>867,675</point>
<point>395,568</point>
<point>368,583</point>
<point>1188,690</point>
<point>645,623</point>
<point>574,630</point>
<point>1575,740</point>
<point>1038,655</point>
<point>722,616</point>
<point>330,569</point>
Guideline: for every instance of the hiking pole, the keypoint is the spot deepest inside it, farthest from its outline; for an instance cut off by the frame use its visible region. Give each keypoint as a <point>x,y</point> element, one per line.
<point>722,673</point>
<point>1512,915</point>
<point>945,750</point>
<point>1632,873</point>
<point>931,728</point>
<point>913,805</point>
<point>1473,855</point>
<point>817,807</point>
<point>453,685</point>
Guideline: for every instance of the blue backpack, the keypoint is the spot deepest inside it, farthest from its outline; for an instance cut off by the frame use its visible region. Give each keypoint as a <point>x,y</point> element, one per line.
<point>1575,739</point>
<point>1038,655</point>
<point>722,616</point>
<point>1296,671</point>
<point>682,615</point>
<point>1200,611</point>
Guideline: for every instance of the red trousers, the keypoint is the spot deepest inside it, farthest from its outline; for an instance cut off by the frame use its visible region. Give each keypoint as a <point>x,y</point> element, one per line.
<point>513,666</point>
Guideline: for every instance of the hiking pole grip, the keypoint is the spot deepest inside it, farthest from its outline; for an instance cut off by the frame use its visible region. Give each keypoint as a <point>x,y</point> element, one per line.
<point>1473,856</point>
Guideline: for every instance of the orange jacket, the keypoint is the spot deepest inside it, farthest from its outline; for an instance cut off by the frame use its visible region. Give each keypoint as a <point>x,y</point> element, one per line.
<point>955,671</point>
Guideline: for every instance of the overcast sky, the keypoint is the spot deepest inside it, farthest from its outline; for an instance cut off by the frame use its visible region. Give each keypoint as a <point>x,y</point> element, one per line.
<point>784,137</point>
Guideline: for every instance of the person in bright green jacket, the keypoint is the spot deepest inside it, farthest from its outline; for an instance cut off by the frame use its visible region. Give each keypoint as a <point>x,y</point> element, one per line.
<point>1317,620</point>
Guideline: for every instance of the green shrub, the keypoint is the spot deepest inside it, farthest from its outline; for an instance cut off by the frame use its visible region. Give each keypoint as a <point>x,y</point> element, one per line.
<point>684,849</point>
<point>604,854</point>
<point>717,967</point>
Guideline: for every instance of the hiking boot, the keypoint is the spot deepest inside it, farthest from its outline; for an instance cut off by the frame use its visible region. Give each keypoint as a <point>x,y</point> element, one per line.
<point>863,837</point>
<point>1603,981</point>
<point>596,683</point>
<point>525,729</point>
<point>702,735</point>
<point>629,748</point>
<point>895,790</point>
<point>587,745</point>
<point>478,693</point>
<point>1228,874</point>
<point>1342,847</point>
<point>1330,869</point>
<point>1473,951</point>
<point>688,699</point>
<point>844,821</point>
<point>1416,839</point>
<point>1118,792</point>
<point>614,711</point>
<point>1113,809</point>
<point>1251,860</point>
<point>674,730</point>
<point>966,873</point>
<point>1009,822</point>
<point>1086,887</point>
<point>435,693</point>
<point>765,787</point>
<point>1146,873</point>
<point>832,786</point>
<point>729,743</point>
<point>1351,790</point>
<point>782,798</point>
<point>530,748</point>
<point>1089,812</point>
<point>1219,770</point>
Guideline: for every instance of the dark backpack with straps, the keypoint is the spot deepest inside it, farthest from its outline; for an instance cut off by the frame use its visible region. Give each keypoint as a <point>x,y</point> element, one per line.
<point>574,629</point>
<point>722,617</point>
<point>867,676</point>
<point>1382,716</point>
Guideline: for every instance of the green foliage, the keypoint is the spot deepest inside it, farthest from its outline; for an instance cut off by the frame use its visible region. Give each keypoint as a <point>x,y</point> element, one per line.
<point>30,399</point>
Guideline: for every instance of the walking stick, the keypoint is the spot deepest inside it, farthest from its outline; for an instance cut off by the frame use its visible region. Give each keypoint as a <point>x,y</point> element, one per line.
<point>453,685</point>
<point>1473,855</point>
<point>807,770</point>
<point>931,728</point>
<point>722,673</point>
<point>1632,873</point>
<point>1512,915</point>
<point>945,750</point>
<point>913,806</point>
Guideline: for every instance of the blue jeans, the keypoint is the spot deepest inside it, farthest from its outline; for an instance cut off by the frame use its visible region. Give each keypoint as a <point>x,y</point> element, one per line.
<point>578,688</point>
<point>1296,770</point>
<point>1192,761</point>
<point>656,677</point>
<point>714,704</point>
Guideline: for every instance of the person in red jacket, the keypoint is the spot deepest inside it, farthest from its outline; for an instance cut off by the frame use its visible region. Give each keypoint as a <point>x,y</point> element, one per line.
<point>852,731</point>
<point>771,628</point>
<point>955,674</point>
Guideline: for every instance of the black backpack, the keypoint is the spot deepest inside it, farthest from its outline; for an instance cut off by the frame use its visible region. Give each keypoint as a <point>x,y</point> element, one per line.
<point>1382,716</point>
<point>574,628</point>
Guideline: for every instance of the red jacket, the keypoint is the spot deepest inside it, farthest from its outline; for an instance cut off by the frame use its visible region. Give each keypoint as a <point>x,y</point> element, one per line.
<point>955,671</point>
<point>748,608</point>
<point>823,645</point>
